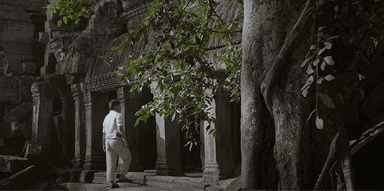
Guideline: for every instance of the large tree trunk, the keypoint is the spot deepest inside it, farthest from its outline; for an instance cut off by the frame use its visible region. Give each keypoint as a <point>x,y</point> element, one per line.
<point>300,149</point>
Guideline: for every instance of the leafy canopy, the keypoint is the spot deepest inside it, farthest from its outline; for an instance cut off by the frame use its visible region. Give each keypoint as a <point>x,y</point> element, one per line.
<point>70,9</point>
<point>179,61</point>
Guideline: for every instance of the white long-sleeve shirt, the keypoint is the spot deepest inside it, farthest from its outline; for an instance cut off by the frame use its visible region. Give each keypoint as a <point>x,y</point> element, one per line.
<point>111,124</point>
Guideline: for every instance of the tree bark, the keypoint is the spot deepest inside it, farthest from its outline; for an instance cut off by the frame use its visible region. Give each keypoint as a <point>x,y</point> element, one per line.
<point>300,149</point>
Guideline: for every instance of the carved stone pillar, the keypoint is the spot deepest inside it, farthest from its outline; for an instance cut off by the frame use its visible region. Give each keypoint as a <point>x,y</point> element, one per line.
<point>43,97</point>
<point>78,160</point>
<point>130,104</point>
<point>67,128</point>
<point>95,106</point>
<point>168,144</point>
<point>219,163</point>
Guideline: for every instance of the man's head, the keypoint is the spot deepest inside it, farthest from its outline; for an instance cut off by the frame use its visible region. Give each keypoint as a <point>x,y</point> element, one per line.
<point>114,104</point>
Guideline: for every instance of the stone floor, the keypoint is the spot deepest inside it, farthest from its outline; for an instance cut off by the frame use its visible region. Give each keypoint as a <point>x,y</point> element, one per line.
<point>148,180</point>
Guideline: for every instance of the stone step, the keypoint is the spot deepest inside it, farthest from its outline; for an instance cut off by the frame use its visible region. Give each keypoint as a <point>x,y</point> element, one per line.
<point>13,164</point>
<point>19,179</point>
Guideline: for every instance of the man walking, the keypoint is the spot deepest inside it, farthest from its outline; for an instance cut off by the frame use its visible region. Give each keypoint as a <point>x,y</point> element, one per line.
<point>115,143</point>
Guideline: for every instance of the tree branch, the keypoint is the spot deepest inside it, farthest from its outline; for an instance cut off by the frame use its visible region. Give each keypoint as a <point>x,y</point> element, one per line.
<point>332,156</point>
<point>291,42</point>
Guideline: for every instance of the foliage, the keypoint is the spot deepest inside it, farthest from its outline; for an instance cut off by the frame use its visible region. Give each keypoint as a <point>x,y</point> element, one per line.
<point>178,62</point>
<point>346,36</point>
<point>70,9</point>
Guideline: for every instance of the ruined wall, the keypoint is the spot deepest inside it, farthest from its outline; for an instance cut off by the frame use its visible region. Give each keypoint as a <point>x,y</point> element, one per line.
<point>20,56</point>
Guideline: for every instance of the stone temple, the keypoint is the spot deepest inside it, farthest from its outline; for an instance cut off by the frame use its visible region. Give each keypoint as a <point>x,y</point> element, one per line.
<point>54,92</point>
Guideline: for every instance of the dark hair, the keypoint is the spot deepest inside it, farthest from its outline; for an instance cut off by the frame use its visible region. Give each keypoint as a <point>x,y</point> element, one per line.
<point>113,103</point>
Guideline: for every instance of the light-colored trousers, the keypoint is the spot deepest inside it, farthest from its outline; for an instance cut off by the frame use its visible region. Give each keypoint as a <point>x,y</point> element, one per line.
<point>113,149</point>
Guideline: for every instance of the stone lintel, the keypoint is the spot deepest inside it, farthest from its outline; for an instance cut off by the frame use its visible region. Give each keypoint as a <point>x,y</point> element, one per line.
<point>44,90</point>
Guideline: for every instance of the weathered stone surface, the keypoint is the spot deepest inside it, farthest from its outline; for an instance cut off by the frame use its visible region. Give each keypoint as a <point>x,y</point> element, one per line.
<point>19,180</point>
<point>13,13</point>
<point>19,113</point>
<point>3,61</point>
<point>29,5</point>
<point>102,15</point>
<point>32,149</point>
<point>43,37</point>
<point>79,52</point>
<point>44,70</point>
<point>21,32</point>
<point>12,164</point>
<point>29,68</point>
<point>16,89</point>
<point>54,78</point>
<point>15,62</point>
<point>51,25</point>
<point>18,48</point>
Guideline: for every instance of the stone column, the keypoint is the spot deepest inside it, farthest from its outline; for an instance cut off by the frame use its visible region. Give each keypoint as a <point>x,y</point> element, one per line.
<point>43,97</point>
<point>130,104</point>
<point>168,144</point>
<point>68,128</point>
<point>95,106</point>
<point>219,163</point>
<point>78,160</point>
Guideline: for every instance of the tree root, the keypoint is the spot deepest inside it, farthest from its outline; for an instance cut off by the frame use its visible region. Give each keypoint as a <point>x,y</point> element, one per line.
<point>339,151</point>
<point>291,42</point>
<point>332,155</point>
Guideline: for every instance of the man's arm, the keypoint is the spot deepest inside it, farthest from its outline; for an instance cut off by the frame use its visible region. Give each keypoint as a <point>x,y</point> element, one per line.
<point>120,124</point>
<point>123,136</point>
<point>104,141</point>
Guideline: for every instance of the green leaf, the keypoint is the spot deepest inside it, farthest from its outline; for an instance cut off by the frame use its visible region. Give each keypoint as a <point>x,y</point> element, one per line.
<point>65,20</point>
<point>135,26</point>
<point>323,64</point>
<point>327,100</point>
<point>288,4</point>
<point>329,60</point>
<point>329,77</point>
<point>103,57</point>
<point>290,24</point>
<point>115,47</point>
<point>137,121</point>
<point>319,123</point>
<point>59,22</point>
<point>310,70</point>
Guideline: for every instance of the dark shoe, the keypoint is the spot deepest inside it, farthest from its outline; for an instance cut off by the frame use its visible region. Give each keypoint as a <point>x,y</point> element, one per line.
<point>114,185</point>
<point>124,180</point>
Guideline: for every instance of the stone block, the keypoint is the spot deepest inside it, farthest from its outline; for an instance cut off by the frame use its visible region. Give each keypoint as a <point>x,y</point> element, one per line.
<point>12,13</point>
<point>3,63</point>
<point>54,78</point>
<point>59,68</point>
<point>32,149</point>
<point>56,44</point>
<point>43,37</point>
<point>46,70</point>
<point>81,25</point>
<point>51,25</point>
<point>18,48</point>
<point>19,113</point>
<point>12,164</point>
<point>29,68</point>
<point>15,62</point>
<point>20,179</point>
<point>28,5</point>
<point>21,32</point>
